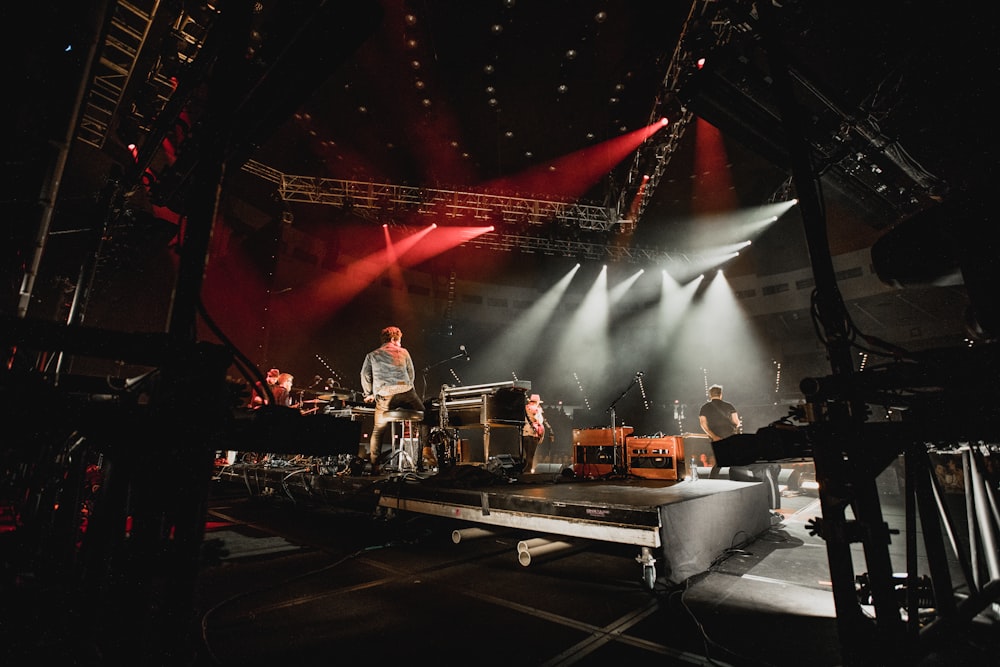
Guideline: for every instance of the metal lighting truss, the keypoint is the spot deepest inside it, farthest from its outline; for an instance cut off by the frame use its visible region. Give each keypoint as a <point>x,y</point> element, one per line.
<point>128,27</point>
<point>569,248</point>
<point>653,156</point>
<point>125,54</point>
<point>372,198</point>
<point>375,200</point>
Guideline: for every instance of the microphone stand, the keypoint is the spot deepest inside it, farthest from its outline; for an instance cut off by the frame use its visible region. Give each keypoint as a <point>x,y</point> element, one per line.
<point>616,468</point>
<point>423,371</point>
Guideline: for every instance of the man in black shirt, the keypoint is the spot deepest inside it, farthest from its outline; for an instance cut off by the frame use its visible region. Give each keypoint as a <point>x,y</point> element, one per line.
<point>717,417</point>
<point>719,420</point>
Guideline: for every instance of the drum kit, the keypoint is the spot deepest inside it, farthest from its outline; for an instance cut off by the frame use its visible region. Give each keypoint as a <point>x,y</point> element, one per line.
<point>308,406</point>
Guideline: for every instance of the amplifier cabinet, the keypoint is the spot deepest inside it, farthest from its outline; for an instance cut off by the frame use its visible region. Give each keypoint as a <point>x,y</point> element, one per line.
<point>594,450</point>
<point>654,458</point>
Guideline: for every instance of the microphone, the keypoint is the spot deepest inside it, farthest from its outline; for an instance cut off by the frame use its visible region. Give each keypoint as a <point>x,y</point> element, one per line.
<point>462,348</point>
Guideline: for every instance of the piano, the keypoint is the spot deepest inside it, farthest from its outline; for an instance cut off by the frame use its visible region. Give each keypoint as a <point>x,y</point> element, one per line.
<point>360,413</point>
<point>486,406</point>
<point>351,411</point>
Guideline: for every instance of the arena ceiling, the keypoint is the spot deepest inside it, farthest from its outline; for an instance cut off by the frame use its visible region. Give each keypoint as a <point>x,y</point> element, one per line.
<point>890,99</point>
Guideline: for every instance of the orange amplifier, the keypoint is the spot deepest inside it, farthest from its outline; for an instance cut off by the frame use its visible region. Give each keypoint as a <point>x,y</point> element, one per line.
<point>654,458</point>
<point>594,450</point>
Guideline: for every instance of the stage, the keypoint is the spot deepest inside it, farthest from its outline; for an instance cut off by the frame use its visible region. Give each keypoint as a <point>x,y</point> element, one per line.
<point>286,574</point>
<point>677,527</point>
<point>411,583</point>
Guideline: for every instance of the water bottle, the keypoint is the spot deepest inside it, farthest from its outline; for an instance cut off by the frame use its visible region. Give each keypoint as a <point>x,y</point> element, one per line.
<point>694,471</point>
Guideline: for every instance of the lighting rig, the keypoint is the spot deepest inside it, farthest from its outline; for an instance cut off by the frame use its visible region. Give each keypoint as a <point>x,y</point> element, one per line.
<point>110,480</point>
<point>942,398</point>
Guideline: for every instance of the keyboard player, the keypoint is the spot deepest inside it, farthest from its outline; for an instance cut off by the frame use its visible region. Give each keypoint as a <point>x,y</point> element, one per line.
<point>387,377</point>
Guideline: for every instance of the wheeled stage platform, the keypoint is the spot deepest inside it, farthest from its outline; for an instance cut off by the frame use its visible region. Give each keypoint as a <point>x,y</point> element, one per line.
<point>684,525</point>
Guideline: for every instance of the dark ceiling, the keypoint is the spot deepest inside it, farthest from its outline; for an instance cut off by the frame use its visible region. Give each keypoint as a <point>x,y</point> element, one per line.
<point>456,93</point>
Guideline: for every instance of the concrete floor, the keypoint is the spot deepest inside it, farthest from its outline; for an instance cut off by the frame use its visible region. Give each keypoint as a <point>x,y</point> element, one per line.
<point>293,582</point>
<point>282,581</point>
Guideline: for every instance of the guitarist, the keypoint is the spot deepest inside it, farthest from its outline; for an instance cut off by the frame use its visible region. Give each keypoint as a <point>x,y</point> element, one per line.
<point>535,428</point>
<point>718,419</point>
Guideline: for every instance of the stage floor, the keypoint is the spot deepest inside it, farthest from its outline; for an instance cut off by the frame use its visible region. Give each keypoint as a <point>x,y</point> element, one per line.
<point>336,582</point>
<point>447,580</point>
<point>287,579</point>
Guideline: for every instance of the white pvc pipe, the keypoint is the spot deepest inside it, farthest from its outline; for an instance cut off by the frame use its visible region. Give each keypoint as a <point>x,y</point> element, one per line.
<point>470,534</point>
<point>525,545</point>
<point>525,557</point>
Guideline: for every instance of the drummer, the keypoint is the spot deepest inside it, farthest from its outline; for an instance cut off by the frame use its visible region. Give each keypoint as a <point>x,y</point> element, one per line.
<point>282,390</point>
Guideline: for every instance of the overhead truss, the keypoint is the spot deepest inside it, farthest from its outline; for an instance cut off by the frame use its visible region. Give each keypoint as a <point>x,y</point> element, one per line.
<point>137,63</point>
<point>126,33</point>
<point>367,198</point>
<point>382,201</point>
<point>703,30</point>
<point>578,249</point>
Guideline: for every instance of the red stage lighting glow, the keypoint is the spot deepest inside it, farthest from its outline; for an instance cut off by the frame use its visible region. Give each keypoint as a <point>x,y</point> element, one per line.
<point>570,176</point>
<point>714,189</point>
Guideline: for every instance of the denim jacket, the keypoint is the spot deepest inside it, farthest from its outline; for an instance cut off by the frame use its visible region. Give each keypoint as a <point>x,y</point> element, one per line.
<point>387,370</point>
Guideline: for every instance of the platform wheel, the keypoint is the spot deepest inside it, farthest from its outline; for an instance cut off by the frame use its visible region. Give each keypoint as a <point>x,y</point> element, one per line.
<point>645,558</point>
<point>649,576</point>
